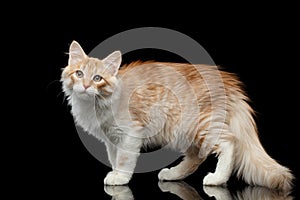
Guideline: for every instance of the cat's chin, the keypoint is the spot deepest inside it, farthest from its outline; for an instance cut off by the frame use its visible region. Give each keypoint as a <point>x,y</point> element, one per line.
<point>84,95</point>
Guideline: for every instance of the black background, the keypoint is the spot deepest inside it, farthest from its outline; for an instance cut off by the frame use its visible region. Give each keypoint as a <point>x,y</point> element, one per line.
<point>256,42</point>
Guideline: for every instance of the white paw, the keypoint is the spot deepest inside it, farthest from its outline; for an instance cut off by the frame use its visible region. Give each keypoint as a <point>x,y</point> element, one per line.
<point>168,175</point>
<point>213,179</point>
<point>164,174</point>
<point>116,178</point>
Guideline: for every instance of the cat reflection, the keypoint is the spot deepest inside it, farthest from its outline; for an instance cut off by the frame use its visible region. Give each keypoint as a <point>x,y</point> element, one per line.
<point>186,192</point>
<point>180,189</point>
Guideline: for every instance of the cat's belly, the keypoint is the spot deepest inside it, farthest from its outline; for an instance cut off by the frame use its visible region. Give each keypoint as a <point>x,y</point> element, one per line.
<point>172,140</point>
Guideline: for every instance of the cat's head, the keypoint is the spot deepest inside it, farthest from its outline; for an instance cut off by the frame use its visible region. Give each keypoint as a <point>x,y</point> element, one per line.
<point>87,77</point>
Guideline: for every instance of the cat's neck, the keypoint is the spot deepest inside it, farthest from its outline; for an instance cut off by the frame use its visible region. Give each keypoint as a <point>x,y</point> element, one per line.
<point>98,107</point>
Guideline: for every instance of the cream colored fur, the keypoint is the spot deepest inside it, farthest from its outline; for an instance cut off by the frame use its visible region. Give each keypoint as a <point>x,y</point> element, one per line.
<point>195,109</point>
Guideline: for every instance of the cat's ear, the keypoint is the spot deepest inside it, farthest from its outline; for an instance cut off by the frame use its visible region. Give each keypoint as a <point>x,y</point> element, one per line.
<point>76,53</point>
<point>112,62</point>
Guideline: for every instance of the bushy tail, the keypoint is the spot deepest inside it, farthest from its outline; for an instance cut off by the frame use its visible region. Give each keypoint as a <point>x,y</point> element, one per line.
<point>252,163</point>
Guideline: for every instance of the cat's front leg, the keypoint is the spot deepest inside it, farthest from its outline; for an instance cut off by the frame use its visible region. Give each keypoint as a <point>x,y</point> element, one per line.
<point>127,152</point>
<point>111,149</point>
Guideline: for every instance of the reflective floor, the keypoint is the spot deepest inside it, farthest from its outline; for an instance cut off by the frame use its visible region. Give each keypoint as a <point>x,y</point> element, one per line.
<point>82,176</point>
<point>181,190</point>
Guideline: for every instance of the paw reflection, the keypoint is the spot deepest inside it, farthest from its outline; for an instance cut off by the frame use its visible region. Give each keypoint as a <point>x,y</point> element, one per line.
<point>119,192</point>
<point>218,192</point>
<point>184,191</point>
<point>181,189</point>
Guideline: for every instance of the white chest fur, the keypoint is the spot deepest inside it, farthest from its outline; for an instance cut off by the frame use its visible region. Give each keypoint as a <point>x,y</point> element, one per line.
<point>88,115</point>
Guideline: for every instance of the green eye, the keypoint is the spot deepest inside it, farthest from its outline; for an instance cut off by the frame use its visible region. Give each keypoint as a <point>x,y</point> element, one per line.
<point>97,78</point>
<point>79,73</point>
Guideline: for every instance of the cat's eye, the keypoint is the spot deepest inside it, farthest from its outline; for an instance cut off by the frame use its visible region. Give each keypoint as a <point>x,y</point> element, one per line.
<point>97,78</point>
<point>79,74</point>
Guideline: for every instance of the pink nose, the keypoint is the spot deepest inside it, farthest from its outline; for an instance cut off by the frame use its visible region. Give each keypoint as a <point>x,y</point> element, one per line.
<point>86,86</point>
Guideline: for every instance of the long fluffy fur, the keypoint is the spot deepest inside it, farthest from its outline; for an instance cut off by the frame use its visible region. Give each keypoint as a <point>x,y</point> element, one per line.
<point>195,109</point>
<point>252,163</point>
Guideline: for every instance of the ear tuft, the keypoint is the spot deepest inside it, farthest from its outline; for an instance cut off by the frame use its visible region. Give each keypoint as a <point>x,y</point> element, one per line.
<point>76,53</point>
<point>112,62</point>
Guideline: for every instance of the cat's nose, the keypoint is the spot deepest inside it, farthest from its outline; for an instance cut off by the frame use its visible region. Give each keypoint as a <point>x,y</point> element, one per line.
<point>86,86</point>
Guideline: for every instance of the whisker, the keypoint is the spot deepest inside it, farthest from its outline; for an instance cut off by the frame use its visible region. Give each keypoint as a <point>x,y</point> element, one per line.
<point>64,97</point>
<point>96,97</point>
<point>61,92</point>
<point>54,81</point>
<point>99,95</point>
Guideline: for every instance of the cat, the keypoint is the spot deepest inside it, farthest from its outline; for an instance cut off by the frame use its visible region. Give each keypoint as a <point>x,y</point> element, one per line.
<point>197,110</point>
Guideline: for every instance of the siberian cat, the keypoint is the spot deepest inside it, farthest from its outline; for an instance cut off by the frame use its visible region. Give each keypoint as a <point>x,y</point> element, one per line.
<point>195,109</point>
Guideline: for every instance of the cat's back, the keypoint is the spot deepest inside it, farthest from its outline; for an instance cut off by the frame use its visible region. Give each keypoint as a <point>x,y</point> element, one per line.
<point>162,72</point>
<point>173,75</point>
<point>188,83</point>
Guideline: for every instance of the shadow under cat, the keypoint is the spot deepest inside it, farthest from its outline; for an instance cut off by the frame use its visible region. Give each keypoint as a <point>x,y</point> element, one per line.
<point>187,192</point>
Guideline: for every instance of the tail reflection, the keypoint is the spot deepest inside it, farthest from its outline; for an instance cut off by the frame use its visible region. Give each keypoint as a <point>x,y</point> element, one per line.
<point>248,193</point>
<point>262,193</point>
<point>181,189</point>
<point>119,192</point>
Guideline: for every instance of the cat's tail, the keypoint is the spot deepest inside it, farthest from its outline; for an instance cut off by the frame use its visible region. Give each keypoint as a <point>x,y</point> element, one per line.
<point>252,163</point>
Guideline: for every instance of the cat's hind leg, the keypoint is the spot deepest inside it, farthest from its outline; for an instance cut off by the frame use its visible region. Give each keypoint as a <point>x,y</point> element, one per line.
<point>224,165</point>
<point>186,167</point>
